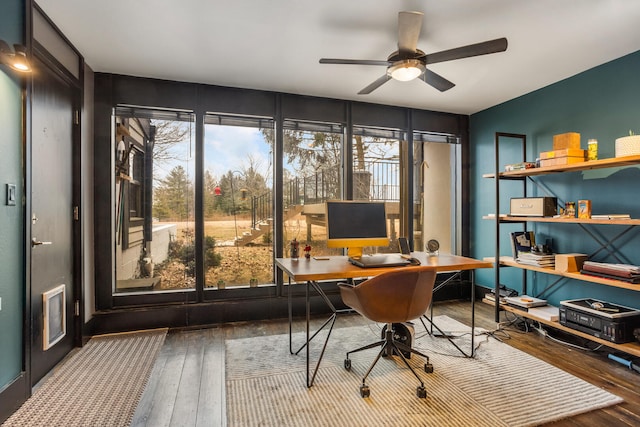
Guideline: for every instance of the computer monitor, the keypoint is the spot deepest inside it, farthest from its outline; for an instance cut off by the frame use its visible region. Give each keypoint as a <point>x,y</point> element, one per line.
<point>355,224</point>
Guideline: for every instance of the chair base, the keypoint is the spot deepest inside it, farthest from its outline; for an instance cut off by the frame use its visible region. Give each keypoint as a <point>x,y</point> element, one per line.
<point>390,346</point>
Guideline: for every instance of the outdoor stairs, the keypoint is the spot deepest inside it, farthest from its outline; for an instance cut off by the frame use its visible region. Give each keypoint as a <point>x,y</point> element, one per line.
<point>265,226</point>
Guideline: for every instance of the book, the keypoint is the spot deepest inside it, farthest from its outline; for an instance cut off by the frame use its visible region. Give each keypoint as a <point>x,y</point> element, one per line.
<point>547,312</point>
<point>634,279</point>
<point>623,270</point>
<point>611,216</point>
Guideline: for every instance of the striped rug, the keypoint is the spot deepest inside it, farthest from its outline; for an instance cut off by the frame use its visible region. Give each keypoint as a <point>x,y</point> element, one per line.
<point>98,385</point>
<point>501,386</point>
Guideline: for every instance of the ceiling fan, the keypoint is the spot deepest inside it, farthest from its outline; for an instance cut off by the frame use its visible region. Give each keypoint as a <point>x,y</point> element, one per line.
<point>409,62</point>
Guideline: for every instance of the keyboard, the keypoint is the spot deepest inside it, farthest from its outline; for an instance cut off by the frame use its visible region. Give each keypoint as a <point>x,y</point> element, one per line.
<point>379,260</point>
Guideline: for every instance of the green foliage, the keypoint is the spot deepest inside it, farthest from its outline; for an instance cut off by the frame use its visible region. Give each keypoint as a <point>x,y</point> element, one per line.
<point>211,257</point>
<point>186,254</point>
<point>173,197</point>
<point>266,238</point>
<point>209,196</point>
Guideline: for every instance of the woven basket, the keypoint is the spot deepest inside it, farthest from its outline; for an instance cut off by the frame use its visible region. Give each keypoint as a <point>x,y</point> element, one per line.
<point>628,146</point>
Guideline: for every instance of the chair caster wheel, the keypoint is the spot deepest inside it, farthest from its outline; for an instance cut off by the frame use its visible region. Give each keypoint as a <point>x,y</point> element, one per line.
<point>347,364</point>
<point>421,392</point>
<point>428,368</point>
<point>365,392</point>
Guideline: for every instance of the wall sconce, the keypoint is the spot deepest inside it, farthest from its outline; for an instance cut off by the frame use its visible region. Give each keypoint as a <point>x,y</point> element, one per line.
<point>16,60</point>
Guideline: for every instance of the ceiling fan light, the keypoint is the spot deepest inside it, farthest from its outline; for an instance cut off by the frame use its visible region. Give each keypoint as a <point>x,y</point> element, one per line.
<point>406,70</point>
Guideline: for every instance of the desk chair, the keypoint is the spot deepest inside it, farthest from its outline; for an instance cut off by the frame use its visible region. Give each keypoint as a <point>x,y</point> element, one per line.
<point>394,297</point>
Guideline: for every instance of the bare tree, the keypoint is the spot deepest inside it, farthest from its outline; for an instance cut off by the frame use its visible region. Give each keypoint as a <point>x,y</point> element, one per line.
<point>167,135</point>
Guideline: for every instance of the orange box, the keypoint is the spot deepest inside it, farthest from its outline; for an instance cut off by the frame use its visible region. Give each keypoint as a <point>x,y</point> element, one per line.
<point>567,152</point>
<point>559,161</point>
<point>584,209</point>
<point>566,140</point>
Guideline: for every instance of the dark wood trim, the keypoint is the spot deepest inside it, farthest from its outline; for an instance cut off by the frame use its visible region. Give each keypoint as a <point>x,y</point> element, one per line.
<point>102,182</point>
<point>13,396</point>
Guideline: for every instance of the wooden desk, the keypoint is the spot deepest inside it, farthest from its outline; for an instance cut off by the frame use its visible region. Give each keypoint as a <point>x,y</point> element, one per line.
<point>311,271</point>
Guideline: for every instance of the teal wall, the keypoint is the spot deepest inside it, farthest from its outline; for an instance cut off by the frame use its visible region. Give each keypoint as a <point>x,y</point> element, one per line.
<point>12,283</point>
<point>601,103</point>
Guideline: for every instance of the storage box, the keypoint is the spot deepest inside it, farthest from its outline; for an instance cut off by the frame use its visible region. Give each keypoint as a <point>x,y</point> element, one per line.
<point>534,206</point>
<point>570,263</point>
<point>566,140</point>
<point>560,161</point>
<point>566,152</point>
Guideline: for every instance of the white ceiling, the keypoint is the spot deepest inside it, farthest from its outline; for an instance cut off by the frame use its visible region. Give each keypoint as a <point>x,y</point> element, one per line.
<point>276,44</point>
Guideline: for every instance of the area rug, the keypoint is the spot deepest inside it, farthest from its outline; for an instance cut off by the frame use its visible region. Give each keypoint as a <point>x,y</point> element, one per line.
<point>99,385</point>
<point>501,386</point>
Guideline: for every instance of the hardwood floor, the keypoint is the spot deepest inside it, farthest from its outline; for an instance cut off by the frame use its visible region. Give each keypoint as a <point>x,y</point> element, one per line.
<point>187,387</point>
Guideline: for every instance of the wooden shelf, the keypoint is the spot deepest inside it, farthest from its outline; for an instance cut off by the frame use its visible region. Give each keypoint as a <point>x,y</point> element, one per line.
<point>561,220</point>
<point>632,348</point>
<point>509,262</point>
<point>574,167</point>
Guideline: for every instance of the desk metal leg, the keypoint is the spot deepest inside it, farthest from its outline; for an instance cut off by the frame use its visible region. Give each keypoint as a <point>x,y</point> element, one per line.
<point>289,303</point>
<point>330,322</point>
<point>473,318</point>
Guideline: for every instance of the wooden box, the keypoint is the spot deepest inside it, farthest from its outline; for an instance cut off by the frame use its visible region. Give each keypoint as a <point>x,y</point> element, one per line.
<point>567,152</point>
<point>570,263</point>
<point>566,140</point>
<point>559,161</point>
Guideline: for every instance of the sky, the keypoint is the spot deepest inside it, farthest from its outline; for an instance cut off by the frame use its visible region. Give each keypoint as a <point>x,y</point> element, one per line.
<point>230,148</point>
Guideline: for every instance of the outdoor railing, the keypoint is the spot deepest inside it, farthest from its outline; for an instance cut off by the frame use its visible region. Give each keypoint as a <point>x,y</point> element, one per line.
<point>377,181</point>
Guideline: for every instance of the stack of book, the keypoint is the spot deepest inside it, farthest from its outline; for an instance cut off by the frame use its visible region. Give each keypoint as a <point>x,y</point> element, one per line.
<point>536,260</point>
<point>624,272</point>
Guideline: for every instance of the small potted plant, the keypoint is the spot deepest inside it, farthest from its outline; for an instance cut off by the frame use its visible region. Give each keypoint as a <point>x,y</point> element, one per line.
<point>307,251</point>
<point>628,145</point>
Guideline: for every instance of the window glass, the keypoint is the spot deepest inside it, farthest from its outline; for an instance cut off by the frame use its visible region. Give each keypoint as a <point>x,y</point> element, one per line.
<point>312,175</point>
<point>437,191</point>
<point>238,201</point>
<point>376,175</point>
<point>154,201</point>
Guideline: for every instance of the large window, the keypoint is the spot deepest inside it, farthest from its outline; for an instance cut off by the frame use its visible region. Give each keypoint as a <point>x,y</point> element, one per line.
<point>154,197</point>
<point>238,201</point>
<point>203,201</point>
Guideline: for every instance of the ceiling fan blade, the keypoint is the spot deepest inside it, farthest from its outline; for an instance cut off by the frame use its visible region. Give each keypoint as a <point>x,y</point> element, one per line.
<point>375,85</point>
<point>436,80</point>
<point>354,61</point>
<point>409,25</point>
<point>491,46</point>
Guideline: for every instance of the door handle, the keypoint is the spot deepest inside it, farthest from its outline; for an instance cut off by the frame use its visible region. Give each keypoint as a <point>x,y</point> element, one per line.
<point>36,242</point>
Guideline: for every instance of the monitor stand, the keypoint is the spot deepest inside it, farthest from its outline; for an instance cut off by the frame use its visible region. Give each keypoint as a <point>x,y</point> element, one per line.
<point>355,252</point>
